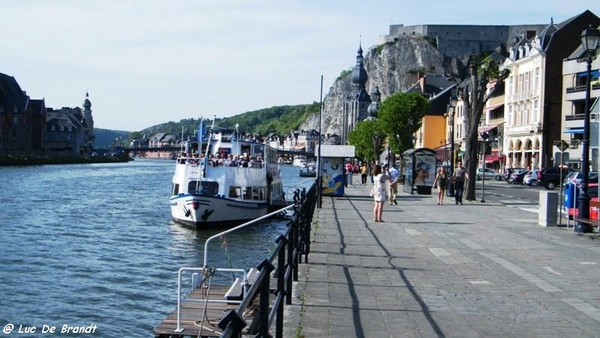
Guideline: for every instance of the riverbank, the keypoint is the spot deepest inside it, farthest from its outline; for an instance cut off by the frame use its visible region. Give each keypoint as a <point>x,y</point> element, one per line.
<point>24,160</point>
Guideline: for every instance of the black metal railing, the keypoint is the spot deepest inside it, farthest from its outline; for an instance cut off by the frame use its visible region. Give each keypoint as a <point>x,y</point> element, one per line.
<point>282,265</point>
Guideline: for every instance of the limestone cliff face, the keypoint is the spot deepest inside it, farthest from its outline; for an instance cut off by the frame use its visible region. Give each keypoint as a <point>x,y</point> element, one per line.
<point>393,67</point>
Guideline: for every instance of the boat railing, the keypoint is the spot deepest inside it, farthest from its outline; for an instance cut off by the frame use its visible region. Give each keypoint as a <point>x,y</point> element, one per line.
<point>287,255</point>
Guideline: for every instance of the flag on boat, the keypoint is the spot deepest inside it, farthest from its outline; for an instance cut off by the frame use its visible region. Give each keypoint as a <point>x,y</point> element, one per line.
<point>201,130</point>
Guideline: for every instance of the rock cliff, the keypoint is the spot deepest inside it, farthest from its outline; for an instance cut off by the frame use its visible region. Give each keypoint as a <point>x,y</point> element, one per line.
<point>393,67</point>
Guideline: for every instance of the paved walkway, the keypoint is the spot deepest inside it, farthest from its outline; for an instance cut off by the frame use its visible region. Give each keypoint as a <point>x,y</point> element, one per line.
<point>476,270</point>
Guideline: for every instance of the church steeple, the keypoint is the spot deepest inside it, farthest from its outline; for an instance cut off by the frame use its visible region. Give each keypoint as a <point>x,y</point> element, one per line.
<point>357,103</point>
<point>359,74</point>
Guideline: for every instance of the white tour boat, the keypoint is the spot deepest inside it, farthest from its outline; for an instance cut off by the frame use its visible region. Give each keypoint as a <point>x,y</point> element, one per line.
<point>299,161</point>
<point>212,191</point>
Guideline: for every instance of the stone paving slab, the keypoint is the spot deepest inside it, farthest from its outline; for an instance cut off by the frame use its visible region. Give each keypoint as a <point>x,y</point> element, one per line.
<point>472,270</point>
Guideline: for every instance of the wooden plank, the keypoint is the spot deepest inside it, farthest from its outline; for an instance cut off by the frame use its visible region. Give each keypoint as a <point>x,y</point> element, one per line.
<point>192,315</point>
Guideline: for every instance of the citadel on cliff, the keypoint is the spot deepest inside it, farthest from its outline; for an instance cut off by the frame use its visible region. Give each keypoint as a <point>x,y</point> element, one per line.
<point>540,103</point>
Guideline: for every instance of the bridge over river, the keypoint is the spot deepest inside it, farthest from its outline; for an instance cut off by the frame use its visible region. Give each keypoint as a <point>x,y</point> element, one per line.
<point>134,150</point>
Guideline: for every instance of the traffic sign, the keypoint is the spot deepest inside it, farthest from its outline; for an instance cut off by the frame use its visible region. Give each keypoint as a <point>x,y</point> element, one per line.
<point>562,145</point>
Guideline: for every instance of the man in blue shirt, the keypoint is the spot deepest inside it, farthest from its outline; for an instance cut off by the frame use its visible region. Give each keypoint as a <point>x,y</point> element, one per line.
<point>393,175</point>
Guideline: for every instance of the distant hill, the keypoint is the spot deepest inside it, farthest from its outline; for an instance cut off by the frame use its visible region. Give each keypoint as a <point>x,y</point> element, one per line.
<point>105,137</point>
<point>280,120</point>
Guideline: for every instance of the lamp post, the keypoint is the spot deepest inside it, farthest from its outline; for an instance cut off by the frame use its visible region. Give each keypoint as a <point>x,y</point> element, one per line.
<point>485,137</point>
<point>410,135</point>
<point>376,143</point>
<point>453,101</point>
<point>589,40</point>
<point>319,166</point>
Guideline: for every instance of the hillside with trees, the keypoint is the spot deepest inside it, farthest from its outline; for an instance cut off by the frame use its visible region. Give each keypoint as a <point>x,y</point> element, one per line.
<point>279,120</point>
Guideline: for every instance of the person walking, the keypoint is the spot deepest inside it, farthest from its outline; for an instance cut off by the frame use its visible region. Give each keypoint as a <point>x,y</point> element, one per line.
<point>441,182</point>
<point>379,192</point>
<point>364,171</point>
<point>458,177</point>
<point>393,175</point>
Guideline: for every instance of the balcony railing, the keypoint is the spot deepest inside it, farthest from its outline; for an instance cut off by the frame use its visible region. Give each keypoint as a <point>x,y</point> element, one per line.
<point>574,117</point>
<point>581,88</point>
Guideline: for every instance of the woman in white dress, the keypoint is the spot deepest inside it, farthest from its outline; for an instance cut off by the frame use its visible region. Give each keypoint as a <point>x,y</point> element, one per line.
<point>380,180</point>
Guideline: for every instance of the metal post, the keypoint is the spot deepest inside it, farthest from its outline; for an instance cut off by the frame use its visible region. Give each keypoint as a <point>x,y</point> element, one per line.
<point>319,178</point>
<point>590,38</point>
<point>451,107</point>
<point>484,136</point>
<point>376,141</point>
<point>450,191</point>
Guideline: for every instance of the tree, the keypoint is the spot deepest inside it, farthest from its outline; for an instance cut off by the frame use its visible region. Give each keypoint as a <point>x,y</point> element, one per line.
<point>400,115</point>
<point>362,138</point>
<point>474,95</point>
<point>398,118</point>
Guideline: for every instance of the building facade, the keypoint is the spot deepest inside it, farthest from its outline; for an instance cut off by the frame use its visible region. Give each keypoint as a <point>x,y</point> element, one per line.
<point>534,94</point>
<point>28,127</point>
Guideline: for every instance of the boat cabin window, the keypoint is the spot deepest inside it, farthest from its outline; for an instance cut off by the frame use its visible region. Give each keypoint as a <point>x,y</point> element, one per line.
<point>235,192</point>
<point>258,150</point>
<point>248,193</point>
<point>175,189</point>
<point>254,193</point>
<point>204,188</point>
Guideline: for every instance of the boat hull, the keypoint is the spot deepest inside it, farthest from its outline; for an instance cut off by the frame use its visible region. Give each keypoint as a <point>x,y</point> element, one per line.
<point>211,211</point>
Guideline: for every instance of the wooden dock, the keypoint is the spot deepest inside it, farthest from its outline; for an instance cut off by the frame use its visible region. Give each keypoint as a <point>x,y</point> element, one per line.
<point>192,314</point>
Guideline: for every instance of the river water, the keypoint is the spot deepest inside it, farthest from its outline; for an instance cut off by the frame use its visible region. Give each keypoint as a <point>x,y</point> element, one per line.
<point>93,245</point>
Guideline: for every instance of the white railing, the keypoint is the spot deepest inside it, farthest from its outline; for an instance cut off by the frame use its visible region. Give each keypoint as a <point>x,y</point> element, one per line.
<point>204,270</point>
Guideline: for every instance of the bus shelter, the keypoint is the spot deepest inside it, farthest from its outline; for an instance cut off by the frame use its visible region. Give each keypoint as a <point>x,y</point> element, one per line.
<point>418,170</point>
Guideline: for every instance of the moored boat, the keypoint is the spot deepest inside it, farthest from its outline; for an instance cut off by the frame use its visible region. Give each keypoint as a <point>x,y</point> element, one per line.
<point>237,180</point>
<point>299,161</point>
<point>309,170</point>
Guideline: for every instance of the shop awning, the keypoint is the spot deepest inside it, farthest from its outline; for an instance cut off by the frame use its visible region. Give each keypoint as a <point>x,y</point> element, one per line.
<point>492,158</point>
<point>486,129</point>
<point>494,106</point>
<point>573,131</point>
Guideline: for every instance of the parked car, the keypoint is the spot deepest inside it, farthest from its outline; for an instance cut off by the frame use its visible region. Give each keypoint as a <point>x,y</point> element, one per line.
<point>575,177</point>
<point>517,176</point>
<point>530,178</point>
<point>488,174</point>
<point>509,171</point>
<point>550,177</point>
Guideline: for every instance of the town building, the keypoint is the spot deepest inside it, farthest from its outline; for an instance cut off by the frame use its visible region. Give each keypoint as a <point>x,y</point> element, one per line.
<point>574,82</point>
<point>28,127</point>
<point>22,120</point>
<point>534,92</point>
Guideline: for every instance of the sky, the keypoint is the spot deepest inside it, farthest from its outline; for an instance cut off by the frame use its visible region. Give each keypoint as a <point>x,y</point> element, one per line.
<point>146,62</point>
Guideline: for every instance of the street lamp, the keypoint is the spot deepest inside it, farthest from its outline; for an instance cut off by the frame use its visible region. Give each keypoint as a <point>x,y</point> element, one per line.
<point>376,143</point>
<point>452,107</point>
<point>485,137</point>
<point>589,40</point>
<point>410,135</point>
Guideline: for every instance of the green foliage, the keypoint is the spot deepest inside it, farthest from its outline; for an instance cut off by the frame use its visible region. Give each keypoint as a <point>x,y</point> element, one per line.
<point>380,48</point>
<point>432,40</point>
<point>103,138</point>
<point>400,116</point>
<point>280,120</point>
<point>414,71</point>
<point>362,138</point>
<point>345,73</point>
